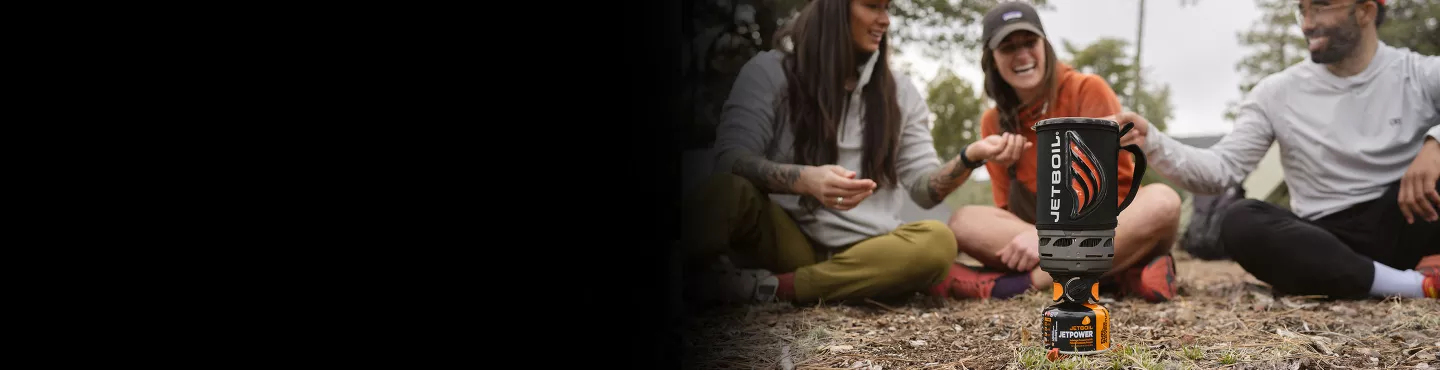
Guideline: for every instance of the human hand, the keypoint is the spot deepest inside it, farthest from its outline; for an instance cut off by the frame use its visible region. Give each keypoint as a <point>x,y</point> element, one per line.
<point>1417,187</point>
<point>1023,252</point>
<point>1137,133</point>
<point>1002,149</point>
<point>835,187</point>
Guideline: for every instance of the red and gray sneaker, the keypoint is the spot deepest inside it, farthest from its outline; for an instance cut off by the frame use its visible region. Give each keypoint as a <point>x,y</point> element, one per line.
<point>1154,282</point>
<point>1430,267</point>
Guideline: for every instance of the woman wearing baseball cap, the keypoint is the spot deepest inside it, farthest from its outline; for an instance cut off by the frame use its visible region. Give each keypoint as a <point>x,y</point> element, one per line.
<point>1028,84</point>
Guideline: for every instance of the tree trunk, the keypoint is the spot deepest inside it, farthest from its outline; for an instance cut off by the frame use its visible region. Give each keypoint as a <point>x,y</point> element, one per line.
<point>1136,90</point>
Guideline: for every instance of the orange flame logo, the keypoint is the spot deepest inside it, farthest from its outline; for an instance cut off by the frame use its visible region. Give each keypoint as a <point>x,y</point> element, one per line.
<point>1087,178</point>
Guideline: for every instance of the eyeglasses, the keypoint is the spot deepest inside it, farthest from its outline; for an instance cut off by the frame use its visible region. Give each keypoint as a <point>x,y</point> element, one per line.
<point>1302,11</point>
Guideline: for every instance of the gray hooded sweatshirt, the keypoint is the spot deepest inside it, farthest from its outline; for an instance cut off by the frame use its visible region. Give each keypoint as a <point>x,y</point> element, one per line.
<point>746,128</point>
<point>1342,140</point>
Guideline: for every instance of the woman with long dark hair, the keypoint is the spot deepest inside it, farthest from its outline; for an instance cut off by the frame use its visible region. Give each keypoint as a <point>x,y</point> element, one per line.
<point>1028,84</point>
<point>818,147</point>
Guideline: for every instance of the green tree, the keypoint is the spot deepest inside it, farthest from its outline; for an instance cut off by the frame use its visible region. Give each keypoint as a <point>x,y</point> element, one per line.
<point>1109,59</point>
<point>1413,24</point>
<point>957,107</point>
<point>1276,43</point>
<point>943,26</point>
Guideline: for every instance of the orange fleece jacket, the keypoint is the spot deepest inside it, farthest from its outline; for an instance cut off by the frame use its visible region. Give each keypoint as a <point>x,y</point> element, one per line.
<point>1080,95</point>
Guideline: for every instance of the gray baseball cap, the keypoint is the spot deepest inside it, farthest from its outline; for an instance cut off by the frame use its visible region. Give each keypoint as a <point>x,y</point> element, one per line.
<point>1007,17</point>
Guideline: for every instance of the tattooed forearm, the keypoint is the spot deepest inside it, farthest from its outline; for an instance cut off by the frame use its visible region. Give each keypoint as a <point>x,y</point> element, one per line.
<point>769,176</point>
<point>940,183</point>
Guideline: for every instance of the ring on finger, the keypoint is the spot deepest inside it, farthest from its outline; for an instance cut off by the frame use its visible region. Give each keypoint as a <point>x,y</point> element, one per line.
<point>839,200</point>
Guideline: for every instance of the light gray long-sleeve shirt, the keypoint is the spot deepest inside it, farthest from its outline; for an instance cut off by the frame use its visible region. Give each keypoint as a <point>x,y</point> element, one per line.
<point>1342,140</point>
<point>746,127</point>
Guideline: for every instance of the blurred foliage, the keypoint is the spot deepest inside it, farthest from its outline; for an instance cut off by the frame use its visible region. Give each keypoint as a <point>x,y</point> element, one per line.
<point>1276,41</point>
<point>1413,24</point>
<point>943,27</point>
<point>1110,59</point>
<point>971,193</point>
<point>957,107</point>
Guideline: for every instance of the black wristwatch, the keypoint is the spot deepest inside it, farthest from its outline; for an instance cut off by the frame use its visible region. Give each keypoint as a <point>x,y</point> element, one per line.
<point>966,161</point>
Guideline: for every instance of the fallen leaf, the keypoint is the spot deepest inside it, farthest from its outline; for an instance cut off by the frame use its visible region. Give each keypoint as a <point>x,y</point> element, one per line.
<point>841,348</point>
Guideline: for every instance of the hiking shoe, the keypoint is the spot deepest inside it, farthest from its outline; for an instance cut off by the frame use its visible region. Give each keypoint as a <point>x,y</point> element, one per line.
<point>1430,267</point>
<point>727,284</point>
<point>1154,282</point>
<point>967,282</point>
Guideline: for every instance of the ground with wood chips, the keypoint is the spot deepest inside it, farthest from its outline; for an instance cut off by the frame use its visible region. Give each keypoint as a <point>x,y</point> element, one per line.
<point>1223,318</point>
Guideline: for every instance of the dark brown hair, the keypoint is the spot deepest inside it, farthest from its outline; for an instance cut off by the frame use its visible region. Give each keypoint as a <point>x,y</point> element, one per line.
<point>823,57</point>
<point>1007,102</point>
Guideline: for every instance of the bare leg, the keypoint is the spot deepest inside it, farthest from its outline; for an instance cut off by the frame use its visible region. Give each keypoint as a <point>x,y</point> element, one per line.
<point>1147,228</point>
<point>981,231</point>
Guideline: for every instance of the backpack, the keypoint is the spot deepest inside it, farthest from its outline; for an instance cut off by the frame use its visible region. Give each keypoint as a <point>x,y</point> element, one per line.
<point>1202,236</point>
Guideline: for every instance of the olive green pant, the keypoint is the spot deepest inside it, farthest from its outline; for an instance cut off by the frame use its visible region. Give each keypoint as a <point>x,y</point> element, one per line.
<point>729,216</point>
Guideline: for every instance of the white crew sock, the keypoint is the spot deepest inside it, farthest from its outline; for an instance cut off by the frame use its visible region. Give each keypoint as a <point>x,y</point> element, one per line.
<point>1390,282</point>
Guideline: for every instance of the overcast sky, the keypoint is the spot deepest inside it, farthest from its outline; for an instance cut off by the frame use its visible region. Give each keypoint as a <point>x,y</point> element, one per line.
<point>1192,48</point>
